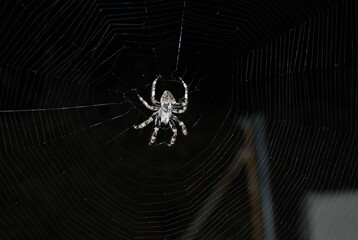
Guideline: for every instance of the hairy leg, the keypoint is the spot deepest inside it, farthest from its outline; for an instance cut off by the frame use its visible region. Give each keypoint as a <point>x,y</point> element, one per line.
<point>153,108</point>
<point>146,122</point>
<point>183,105</point>
<point>175,133</point>
<point>181,124</point>
<point>154,101</point>
<point>155,131</point>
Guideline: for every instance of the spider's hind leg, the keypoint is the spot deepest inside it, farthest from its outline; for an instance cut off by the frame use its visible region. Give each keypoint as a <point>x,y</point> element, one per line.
<point>154,134</point>
<point>175,133</point>
<point>146,122</point>
<point>181,124</point>
<point>143,124</point>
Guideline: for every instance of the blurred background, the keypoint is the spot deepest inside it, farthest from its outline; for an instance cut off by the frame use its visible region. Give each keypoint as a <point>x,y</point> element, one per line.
<point>272,119</point>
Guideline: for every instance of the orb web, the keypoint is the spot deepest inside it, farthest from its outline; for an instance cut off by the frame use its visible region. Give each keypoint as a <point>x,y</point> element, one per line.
<point>272,119</point>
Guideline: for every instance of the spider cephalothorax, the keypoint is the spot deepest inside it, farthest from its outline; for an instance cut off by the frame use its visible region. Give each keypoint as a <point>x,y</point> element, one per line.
<point>164,110</point>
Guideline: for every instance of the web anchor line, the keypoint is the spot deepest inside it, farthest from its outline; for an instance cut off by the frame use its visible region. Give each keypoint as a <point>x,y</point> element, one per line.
<point>180,37</point>
<point>56,108</point>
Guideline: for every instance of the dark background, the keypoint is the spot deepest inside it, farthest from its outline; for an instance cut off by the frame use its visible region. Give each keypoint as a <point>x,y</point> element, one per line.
<point>75,173</point>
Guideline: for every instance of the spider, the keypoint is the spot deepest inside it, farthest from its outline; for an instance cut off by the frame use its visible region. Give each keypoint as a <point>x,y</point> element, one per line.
<point>164,112</point>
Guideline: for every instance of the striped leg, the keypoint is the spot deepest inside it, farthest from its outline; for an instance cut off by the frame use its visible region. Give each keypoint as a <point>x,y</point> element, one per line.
<point>185,100</point>
<point>146,122</point>
<point>153,108</point>
<point>154,101</point>
<point>180,110</point>
<point>175,133</point>
<point>183,105</point>
<point>181,124</point>
<point>154,134</point>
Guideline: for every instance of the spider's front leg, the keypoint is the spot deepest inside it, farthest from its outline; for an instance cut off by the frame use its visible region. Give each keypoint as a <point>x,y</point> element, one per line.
<point>153,108</point>
<point>183,105</point>
<point>185,100</point>
<point>154,101</point>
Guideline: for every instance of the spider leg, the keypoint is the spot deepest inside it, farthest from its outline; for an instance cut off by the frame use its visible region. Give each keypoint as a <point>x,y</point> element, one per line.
<point>146,122</point>
<point>154,101</point>
<point>175,133</point>
<point>182,106</point>
<point>181,124</point>
<point>180,110</point>
<point>185,100</point>
<point>153,108</point>
<point>155,132</point>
